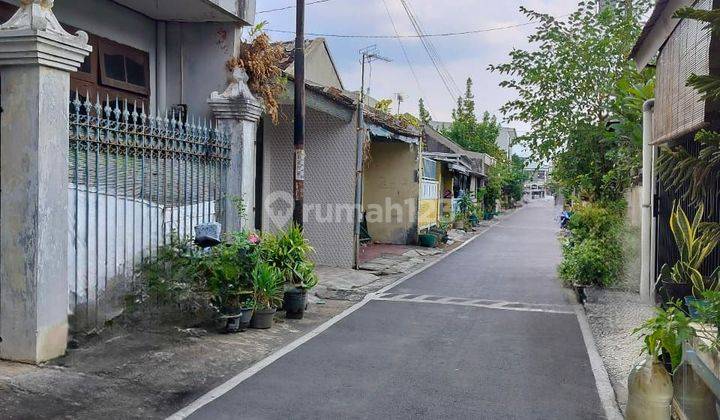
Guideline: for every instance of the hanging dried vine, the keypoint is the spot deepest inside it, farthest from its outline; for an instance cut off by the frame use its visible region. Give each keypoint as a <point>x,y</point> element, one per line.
<point>260,58</point>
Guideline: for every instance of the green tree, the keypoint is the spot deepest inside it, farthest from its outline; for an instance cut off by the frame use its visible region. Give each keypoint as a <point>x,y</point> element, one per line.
<point>468,132</point>
<point>568,79</point>
<point>424,114</point>
<point>582,97</point>
<point>384,105</point>
<point>507,179</point>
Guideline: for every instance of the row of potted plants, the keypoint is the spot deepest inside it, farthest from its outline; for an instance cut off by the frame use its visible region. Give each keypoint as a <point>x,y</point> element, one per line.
<point>244,280</point>
<point>689,315</point>
<point>695,240</point>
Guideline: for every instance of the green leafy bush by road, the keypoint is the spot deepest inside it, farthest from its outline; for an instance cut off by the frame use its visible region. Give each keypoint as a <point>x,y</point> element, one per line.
<point>592,261</point>
<point>593,251</point>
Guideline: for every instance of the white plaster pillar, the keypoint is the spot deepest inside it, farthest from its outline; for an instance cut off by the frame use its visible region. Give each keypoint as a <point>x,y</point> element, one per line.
<point>237,112</point>
<point>36,58</point>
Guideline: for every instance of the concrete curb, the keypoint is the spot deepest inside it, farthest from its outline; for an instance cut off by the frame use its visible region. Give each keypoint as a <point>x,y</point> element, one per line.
<point>257,367</point>
<point>602,379</point>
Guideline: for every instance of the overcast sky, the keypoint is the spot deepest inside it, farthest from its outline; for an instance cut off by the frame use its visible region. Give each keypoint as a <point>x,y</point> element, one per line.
<point>464,56</point>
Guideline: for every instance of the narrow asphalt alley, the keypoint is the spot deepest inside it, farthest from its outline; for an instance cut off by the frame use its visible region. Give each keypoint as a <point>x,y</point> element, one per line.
<point>486,333</point>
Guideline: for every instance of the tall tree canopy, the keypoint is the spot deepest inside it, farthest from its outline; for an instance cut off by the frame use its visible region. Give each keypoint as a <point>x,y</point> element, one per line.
<point>467,131</point>
<point>568,79</point>
<point>582,96</point>
<point>423,112</point>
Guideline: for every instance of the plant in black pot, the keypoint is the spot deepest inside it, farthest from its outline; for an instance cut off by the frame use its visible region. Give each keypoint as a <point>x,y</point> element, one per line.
<point>695,241</point>
<point>226,269</point>
<point>295,298</point>
<point>267,292</point>
<point>288,252</point>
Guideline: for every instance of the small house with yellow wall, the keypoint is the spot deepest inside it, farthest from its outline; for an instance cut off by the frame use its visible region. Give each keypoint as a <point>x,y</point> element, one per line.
<point>456,172</point>
<point>391,184</point>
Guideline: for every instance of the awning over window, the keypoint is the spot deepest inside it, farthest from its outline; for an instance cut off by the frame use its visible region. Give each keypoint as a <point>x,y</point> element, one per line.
<point>459,168</point>
<point>189,10</point>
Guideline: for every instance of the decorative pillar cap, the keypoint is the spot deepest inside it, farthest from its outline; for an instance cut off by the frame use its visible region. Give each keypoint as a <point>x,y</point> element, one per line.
<point>33,36</point>
<point>236,102</point>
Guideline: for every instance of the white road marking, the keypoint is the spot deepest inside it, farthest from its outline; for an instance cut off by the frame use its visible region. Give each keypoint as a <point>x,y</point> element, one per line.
<point>481,303</point>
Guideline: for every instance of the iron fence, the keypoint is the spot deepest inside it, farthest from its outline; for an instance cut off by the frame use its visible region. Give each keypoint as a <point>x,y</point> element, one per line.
<point>135,180</point>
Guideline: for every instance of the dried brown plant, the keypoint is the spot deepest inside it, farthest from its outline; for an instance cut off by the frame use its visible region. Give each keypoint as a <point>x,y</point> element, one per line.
<point>260,59</point>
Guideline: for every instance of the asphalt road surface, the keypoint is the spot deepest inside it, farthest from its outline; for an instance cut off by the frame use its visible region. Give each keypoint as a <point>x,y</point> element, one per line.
<point>486,333</point>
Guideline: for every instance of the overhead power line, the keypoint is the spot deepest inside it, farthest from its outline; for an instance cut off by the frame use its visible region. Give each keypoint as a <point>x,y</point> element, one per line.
<point>432,53</point>
<point>383,36</point>
<point>291,7</point>
<point>402,47</point>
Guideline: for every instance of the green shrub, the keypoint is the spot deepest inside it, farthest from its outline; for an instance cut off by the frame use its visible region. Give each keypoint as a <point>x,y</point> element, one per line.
<point>226,270</point>
<point>590,262</point>
<point>597,221</point>
<point>172,277</point>
<point>593,252</point>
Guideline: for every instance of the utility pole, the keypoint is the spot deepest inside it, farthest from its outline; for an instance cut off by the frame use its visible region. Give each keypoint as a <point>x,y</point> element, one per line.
<point>368,55</point>
<point>400,99</point>
<point>299,128</point>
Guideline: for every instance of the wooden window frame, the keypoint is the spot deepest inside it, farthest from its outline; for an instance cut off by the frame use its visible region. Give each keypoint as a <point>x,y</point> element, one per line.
<point>435,163</point>
<point>91,77</point>
<point>108,46</point>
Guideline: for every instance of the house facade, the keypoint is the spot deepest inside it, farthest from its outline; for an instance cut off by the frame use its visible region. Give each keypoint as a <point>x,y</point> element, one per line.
<point>389,179</point>
<point>460,172</point>
<point>152,52</point>
<point>537,178</point>
<point>118,144</point>
<point>679,48</point>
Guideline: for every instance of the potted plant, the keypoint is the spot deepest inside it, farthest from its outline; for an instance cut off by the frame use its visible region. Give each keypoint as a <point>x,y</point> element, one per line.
<point>288,252</point>
<point>701,288</point>
<point>695,241</point>
<point>245,312</point>
<point>226,271</point>
<point>267,293</point>
<point>459,222</point>
<point>427,240</point>
<point>707,315</point>
<point>295,298</point>
<point>650,388</point>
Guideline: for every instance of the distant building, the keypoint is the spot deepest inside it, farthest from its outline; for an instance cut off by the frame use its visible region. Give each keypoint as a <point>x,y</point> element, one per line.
<point>505,139</point>
<point>536,185</point>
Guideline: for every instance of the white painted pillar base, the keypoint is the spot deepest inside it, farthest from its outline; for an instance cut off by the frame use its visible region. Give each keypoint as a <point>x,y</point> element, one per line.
<point>36,56</point>
<point>237,113</point>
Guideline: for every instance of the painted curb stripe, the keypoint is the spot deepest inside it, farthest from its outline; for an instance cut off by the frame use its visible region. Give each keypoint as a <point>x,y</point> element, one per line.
<point>602,379</point>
